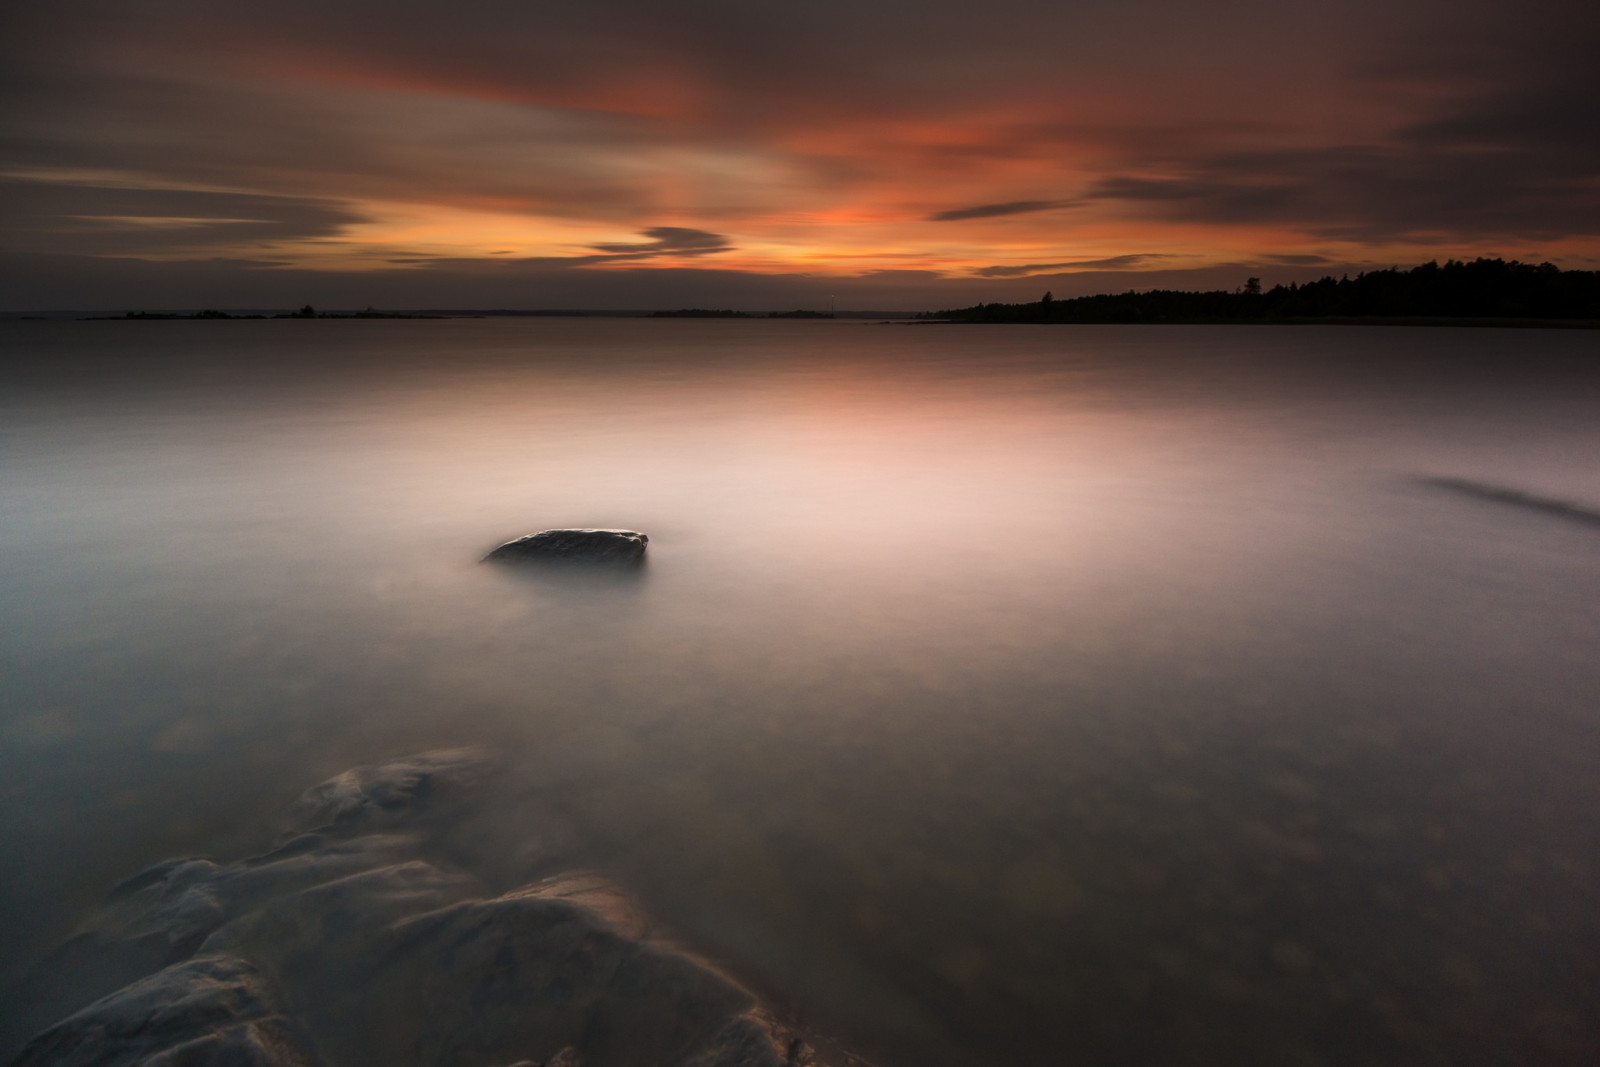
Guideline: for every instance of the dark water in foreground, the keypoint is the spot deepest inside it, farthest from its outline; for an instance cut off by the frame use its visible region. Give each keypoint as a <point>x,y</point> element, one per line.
<point>992,695</point>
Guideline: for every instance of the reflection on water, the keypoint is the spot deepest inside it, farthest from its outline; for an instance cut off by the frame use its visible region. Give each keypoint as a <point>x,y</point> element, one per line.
<point>991,695</point>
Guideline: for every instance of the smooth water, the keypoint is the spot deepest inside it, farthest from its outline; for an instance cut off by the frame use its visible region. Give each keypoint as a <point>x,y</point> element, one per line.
<point>1112,695</point>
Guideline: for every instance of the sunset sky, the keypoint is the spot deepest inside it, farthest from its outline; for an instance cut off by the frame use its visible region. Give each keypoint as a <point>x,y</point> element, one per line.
<point>882,153</point>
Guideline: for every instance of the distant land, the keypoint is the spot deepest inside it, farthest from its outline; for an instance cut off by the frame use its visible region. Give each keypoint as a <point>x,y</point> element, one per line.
<point>309,312</point>
<point>707,313</point>
<point>1482,292</point>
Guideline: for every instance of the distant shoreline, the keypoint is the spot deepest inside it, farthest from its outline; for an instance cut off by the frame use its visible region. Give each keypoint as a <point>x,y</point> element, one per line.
<point>259,315</point>
<point>1480,293</point>
<point>1326,320</point>
<point>1492,293</point>
<point>896,319</point>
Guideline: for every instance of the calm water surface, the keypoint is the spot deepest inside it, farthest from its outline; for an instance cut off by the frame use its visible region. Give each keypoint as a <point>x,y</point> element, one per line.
<point>1105,695</point>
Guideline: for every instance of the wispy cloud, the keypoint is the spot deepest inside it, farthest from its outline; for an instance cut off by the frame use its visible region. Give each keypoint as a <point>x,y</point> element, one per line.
<point>994,211</point>
<point>668,240</point>
<point>106,220</point>
<point>1125,262</point>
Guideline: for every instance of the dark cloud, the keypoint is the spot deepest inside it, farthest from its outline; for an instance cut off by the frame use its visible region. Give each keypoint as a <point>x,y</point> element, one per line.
<point>991,211</point>
<point>174,127</point>
<point>1124,262</point>
<point>662,241</point>
<point>1307,260</point>
<point>99,220</point>
<point>1373,194</point>
<point>1498,138</point>
<point>790,56</point>
<point>729,65</point>
<point>668,240</point>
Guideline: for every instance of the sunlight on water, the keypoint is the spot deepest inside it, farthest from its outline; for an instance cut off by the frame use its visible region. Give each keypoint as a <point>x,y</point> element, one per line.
<point>990,695</point>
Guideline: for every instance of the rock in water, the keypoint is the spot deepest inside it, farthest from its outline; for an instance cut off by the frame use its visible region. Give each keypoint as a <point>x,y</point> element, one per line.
<point>369,796</point>
<point>574,546</point>
<point>360,940</point>
<point>211,1011</point>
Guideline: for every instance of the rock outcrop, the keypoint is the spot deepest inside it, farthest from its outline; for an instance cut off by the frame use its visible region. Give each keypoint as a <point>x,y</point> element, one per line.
<point>352,942</point>
<point>208,1010</point>
<point>615,547</point>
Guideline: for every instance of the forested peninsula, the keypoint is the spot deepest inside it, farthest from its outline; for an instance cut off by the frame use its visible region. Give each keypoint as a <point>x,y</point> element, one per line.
<point>1483,290</point>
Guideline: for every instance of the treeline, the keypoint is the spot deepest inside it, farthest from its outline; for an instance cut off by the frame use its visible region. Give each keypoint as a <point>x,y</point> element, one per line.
<point>1481,289</point>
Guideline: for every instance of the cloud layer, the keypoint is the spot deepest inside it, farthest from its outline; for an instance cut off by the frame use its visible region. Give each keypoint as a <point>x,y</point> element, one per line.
<point>831,140</point>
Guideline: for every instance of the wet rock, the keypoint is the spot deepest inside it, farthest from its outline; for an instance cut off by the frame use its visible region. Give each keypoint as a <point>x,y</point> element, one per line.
<point>155,918</point>
<point>212,1011</point>
<point>165,914</point>
<point>390,792</point>
<point>361,942</point>
<point>384,967</point>
<point>616,547</point>
<point>536,974</point>
<point>742,1043</point>
<point>172,905</point>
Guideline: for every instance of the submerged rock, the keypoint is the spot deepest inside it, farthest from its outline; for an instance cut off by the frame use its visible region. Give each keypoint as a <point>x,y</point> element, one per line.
<point>211,1011</point>
<point>574,546</point>
<point>526,973</point>
<point>367,796</point>
<point>358,940</point>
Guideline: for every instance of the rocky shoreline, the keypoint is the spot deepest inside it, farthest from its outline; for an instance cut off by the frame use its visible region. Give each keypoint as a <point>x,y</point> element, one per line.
<point>353,942</point>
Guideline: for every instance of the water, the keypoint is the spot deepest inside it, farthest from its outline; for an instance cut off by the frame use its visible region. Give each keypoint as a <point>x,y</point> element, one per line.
<point>992,695</point>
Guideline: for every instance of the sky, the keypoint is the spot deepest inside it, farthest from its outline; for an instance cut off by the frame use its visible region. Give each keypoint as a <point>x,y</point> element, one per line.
<point>874,154</point>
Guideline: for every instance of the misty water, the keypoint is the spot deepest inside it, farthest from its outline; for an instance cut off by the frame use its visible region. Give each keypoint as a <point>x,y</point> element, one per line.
<point>1114,695</point>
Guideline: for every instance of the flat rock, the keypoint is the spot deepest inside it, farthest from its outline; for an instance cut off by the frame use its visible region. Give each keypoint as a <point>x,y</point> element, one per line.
<point>574,546</point>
